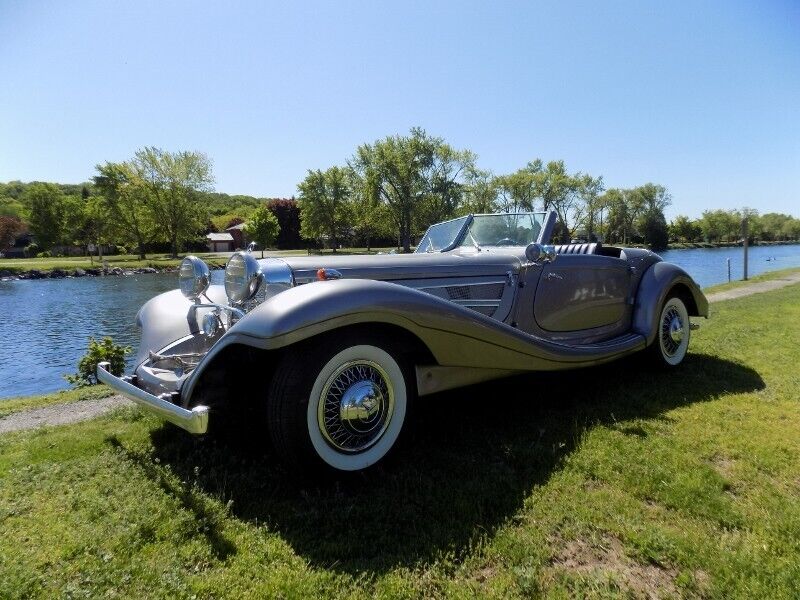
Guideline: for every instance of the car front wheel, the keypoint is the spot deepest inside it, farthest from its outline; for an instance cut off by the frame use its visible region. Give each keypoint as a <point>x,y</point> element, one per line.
<point>339,406</point>
<point>672,337</point>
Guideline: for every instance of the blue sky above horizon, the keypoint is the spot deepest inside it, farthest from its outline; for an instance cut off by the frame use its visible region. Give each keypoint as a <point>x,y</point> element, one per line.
<point>703,98</point>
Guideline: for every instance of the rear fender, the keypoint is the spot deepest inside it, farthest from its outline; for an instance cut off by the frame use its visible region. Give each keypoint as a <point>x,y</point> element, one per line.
<point>657,282</point>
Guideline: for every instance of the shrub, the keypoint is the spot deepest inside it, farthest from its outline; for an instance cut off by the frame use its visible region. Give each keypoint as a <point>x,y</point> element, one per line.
<point>32,250</point>
<point>121,250</point>
<point>45,254</point>
<point>105,350</point>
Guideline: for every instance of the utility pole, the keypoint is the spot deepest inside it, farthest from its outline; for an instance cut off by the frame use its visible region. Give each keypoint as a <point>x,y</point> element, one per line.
<point>745,235</point>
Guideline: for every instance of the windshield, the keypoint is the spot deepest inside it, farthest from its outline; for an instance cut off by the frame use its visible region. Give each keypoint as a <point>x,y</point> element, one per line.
<point>515,229</point>
<point>440,236</point>
<point>519,229</point>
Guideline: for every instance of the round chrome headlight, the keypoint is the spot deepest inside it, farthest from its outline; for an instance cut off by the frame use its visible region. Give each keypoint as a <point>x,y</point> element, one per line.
<point>193,277</point>
<point>242,277</point>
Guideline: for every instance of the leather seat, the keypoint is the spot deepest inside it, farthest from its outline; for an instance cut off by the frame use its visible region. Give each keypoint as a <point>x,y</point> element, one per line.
<point>577,248</point>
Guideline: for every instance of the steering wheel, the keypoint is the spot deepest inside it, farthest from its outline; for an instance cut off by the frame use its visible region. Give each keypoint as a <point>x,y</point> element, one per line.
<point>505,242</point>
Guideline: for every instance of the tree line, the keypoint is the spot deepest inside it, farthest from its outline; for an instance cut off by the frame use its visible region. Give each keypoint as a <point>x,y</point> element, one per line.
<point>388,192</point>
<point>726,226</point>
<point>401,184</point>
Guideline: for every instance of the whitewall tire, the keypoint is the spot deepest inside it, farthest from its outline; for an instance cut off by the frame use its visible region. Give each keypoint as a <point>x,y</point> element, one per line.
<point>357,408</point>
<point>338,405</point>
<point>674,331</point>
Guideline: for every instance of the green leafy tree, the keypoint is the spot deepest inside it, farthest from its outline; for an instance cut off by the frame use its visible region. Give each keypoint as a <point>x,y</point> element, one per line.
<point>683,229</point>
<point>263,227</point>
<point>480,192</point>
<point>174,182</point>
<point>45,204</point>
<point>415,175</point>
<point>370,216</point>
<point>124,200</point>
<point>589,189</point>
<point>325,210</point>
<point>519,191</point>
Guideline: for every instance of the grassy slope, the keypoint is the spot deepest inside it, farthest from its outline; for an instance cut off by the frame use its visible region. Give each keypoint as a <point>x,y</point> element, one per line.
<point>590,483</point>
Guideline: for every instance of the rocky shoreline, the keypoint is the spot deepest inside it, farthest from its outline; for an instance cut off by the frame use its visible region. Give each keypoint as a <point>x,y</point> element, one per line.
<point>8,275</point>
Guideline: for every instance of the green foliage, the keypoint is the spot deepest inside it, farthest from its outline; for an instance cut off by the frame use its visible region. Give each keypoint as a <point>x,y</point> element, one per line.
<point>104,350</point>
<point>682,229</point>
<point>173,183</point>
<point>263,227</point>
<point>419,178</point>
<point>654,230</point>
<point>325,206</point>
<point>46,212</point>
<point>124,199</point>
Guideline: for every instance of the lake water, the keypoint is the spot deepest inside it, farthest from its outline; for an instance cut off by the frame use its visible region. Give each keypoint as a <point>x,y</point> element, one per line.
<point>46,323</point>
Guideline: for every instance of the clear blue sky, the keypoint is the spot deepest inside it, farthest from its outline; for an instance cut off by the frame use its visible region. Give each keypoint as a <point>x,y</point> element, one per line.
<point>701,97</point>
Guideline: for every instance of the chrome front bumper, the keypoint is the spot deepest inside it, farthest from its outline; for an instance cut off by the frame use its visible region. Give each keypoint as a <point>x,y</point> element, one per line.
<point>193,421</point>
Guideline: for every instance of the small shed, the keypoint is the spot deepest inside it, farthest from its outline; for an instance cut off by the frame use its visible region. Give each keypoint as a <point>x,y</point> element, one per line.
<point>220,242</point>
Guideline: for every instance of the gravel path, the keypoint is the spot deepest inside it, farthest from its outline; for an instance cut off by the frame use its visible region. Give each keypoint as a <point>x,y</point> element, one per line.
<point>73,412</point>
<point>755,288</point>
<point>61,414</point>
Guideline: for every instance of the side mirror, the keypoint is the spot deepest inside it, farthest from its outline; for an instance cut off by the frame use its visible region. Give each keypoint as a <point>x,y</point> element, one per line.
<point>539,254</point>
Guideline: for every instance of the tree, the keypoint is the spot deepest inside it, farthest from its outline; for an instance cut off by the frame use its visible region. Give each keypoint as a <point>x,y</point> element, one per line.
<point>125,200</point>
<point>370,216</point>
<point>414,174</point>
<point>45,204</point>
<point>653,228</point>
<point>263,227</point>
<point>480,192</point>
<point>589,189</point>
<point>174,182</point>
<point>682,229</point>
<point>10,228</point>
<point>520,190</point>
<point>287,212</point>
<point>325,204</point>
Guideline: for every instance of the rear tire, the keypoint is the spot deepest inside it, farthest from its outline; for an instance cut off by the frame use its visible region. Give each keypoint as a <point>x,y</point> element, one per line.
<point>338,406</point>
<point>673,334</point>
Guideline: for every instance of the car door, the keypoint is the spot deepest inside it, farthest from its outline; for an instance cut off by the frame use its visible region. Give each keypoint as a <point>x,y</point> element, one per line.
<point>580,292</point>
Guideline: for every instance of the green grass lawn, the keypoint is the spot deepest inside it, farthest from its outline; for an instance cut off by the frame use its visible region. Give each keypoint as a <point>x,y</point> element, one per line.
<point>609,482</point>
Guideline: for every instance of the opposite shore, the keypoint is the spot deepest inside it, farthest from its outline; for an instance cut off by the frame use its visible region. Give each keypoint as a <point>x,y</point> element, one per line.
<point>122,265</point>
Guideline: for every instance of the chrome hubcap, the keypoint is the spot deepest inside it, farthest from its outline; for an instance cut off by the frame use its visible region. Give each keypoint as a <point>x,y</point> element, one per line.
<point>672,331</point>
<point>355,406</point>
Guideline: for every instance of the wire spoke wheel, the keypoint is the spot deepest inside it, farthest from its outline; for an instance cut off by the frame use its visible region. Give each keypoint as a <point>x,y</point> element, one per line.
<point>673,331</point>
<point>355,406</point>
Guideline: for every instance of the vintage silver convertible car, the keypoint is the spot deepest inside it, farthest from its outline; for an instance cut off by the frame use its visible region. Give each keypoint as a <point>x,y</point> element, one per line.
<point>330,351</point>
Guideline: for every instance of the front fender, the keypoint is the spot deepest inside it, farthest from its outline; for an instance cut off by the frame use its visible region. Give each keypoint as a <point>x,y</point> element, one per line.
<point>167,318</point>
<point>656,283</point>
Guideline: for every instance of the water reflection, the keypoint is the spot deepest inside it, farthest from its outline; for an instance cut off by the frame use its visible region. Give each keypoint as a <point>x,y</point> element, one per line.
<point>46,324</point>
